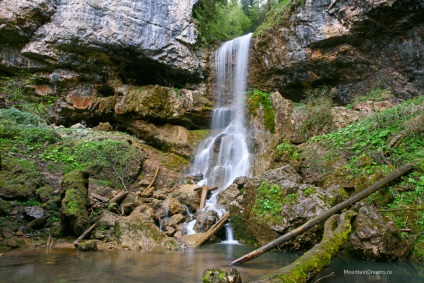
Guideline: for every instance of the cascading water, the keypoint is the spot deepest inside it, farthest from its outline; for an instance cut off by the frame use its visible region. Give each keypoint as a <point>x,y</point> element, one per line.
<point>224,155</point>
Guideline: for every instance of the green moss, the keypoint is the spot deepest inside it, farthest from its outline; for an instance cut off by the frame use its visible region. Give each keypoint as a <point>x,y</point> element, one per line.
<point>290,199</point>
<point>74,202</point>
<point>45,193</point>
<point>19,178</point>
<point>309,191</point>
<point>286,149</point>
<point>319,257</point>
<point>256,99</point>
<point>241,233</point>
<point>4,207</point>
<point>267,207</point>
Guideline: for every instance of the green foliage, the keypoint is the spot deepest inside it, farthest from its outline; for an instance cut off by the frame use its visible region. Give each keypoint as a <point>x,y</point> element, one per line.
<point>314,113</point>
<point>219,21</point>
<point>269,15</point>
<point>255,100</point>
<point>267,205</point>
<point>290,199</point>
<point>378,94</point>
<point>19,92</point>
<point>30,202</point>
<point>287,149</point>
<point>369,144</point>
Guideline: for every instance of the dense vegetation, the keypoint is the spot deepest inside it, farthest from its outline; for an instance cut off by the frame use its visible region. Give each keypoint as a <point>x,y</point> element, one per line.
<point>221,20</point>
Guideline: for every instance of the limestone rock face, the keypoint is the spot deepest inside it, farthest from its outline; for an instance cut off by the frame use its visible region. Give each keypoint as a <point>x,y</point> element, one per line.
<point>64,32</point>
<point>353,46</point>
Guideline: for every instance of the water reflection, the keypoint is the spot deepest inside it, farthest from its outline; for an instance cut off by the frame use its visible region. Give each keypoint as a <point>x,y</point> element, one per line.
<point>358,271</point>
<point>63,266</point>
<point>154,266</point>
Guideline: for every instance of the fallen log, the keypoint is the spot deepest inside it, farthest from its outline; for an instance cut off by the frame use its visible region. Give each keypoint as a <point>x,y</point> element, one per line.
<point>207,235</point>
<point>323,216</point>
<point>99,197</point>
<point>336,231</point>
<point>150,187</point>
<point>119,197</point>
<point>205,191</point>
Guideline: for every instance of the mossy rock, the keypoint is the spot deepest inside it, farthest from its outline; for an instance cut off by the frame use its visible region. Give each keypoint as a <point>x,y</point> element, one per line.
<point>4,207</point>
<point>19,178</point>
<point>45,193</point>
<point>87,246</point>
<point>74,202</point>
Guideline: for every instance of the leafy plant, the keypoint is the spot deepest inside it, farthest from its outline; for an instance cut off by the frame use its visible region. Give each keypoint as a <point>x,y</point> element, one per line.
<point>267,205</point>
<point>257,99</point>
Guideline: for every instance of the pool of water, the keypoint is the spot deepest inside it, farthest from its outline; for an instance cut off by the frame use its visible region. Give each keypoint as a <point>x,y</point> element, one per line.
<point>62,266</point>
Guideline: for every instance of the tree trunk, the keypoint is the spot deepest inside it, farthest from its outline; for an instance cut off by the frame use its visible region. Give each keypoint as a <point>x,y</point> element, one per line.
<point>336,231</point>
<point>207,235</point>
<point>353,199</point>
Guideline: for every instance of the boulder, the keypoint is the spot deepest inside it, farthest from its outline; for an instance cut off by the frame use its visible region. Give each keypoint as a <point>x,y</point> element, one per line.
<point>138,231</point>
<point>376,237</point>
<point>34,212</point>
<point>276,202</point>
<point>205,220</point>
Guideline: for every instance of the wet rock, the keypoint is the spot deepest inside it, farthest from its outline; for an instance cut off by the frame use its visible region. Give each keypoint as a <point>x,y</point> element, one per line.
<point>74,198</point>
<point>228,195</point>
<point>138,231</point>
<point>188,195</point>
<point>87,246</point>
<point>376,237</point>
<point>205,220</point>
<point>221,276</point>
<point>173,206</point>
<point>172,221</point>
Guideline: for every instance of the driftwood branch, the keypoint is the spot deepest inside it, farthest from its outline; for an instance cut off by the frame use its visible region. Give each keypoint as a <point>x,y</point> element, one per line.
<point>207,235</point>
<point>85,233</point>
<point>119,197</point>
<point>150,187</point>
<point>323,216</point>
<point>336,231</point>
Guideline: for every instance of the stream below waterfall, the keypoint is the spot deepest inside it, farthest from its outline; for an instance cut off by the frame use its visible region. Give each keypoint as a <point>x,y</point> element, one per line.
<point>186,266</point>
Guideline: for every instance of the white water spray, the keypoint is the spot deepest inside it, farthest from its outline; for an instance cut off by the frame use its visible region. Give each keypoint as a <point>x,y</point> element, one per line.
<point>224,155</point>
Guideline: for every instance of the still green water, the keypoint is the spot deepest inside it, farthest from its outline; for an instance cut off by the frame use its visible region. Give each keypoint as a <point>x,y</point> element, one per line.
<point>63,266</point>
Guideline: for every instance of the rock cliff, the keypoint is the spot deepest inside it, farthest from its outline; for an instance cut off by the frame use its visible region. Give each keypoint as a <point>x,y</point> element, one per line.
<point>137,36</point>
<point>352,46</point>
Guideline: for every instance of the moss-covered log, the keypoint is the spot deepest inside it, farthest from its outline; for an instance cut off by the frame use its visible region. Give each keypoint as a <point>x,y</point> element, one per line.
<point>336,231</point>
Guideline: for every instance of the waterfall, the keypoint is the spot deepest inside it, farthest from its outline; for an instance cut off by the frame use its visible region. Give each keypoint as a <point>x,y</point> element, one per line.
<point>224,155</point>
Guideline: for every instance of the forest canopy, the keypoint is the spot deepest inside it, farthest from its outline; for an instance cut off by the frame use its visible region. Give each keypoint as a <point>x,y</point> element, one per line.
<point>221,20</point>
